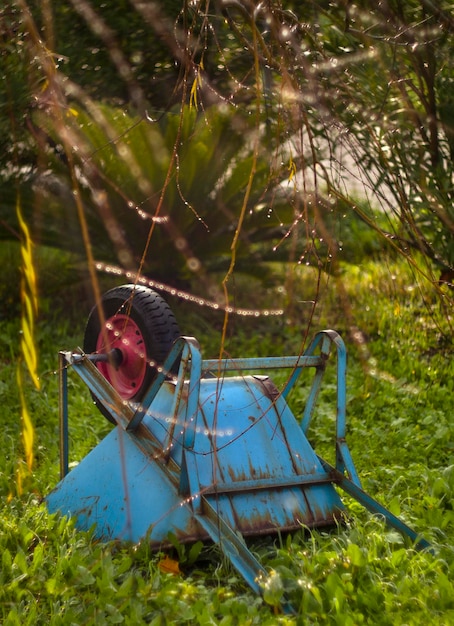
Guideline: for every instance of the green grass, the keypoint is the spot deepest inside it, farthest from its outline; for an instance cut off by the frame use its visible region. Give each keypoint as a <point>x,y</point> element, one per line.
<point>400,431</point>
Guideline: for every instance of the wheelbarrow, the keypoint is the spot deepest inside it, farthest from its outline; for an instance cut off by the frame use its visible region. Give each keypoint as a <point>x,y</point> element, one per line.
<point>202,449</point>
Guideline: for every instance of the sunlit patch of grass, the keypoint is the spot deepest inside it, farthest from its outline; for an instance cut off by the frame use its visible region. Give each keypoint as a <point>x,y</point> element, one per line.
<point>399,429</point>
<point>362,571</point>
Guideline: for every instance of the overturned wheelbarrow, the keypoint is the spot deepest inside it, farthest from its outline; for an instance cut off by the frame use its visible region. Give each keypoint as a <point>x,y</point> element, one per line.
<point>202,449</point>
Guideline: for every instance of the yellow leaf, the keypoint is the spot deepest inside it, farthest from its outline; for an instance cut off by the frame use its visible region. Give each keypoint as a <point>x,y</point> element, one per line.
<point>29,298</point>
<point>22,224</point>
<point>169,566</point>
<point>28,432</point>
<point>29,352</point>
<point>31,366</point>
<point>193,98</point>
<point>291,169</point>
<point>193,102</point>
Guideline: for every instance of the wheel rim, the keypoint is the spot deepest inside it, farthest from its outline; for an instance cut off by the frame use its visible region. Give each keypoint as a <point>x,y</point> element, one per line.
<point>124,335</point>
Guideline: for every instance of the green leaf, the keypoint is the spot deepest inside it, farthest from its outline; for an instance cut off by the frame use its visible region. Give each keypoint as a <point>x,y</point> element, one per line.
<point>84,576</point>
<point>355,555</point>
<point>273,588</point>
<point>20,561</point>
<point>194,552</point>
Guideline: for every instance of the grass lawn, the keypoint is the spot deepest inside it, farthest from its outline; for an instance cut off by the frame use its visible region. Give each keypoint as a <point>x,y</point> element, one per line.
<point>400,431</point>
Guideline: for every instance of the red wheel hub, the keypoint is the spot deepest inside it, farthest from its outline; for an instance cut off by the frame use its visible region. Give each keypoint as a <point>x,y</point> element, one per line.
<point>122,334</point>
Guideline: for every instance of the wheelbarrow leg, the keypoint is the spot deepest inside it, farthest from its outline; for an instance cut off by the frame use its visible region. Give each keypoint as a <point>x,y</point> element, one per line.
<point>375,507</point>
<point>234,548</point>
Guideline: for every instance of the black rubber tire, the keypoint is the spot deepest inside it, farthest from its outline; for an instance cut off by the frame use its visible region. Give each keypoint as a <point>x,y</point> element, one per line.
<point>156,330</point>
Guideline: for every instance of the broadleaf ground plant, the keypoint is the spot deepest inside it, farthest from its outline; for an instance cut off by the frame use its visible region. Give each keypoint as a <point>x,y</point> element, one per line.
<point>401,440</point>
